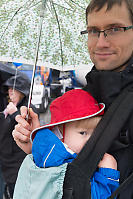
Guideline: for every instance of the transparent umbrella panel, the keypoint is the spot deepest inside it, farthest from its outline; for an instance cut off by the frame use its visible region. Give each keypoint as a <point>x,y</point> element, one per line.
<point>61,42</point>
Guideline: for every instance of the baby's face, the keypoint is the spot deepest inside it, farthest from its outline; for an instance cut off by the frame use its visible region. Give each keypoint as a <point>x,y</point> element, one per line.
<point>78,132</point>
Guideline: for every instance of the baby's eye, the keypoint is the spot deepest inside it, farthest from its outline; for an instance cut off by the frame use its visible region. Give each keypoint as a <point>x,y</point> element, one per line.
<point>83,133</point>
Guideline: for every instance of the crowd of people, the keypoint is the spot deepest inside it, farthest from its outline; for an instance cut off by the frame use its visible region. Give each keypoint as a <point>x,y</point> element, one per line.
<point>110,46</point>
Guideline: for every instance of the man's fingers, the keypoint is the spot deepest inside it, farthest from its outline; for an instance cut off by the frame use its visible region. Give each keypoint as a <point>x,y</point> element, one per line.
<point>24,111</point>
<point>33,114</point>
<point>20,137</point>
<point>34,119</point>
<point>22,141</point>
<point>22,122</point>
<point>24,130</point>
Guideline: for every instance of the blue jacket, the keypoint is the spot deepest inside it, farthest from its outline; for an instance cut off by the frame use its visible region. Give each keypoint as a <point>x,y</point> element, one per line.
<point>49,151</point>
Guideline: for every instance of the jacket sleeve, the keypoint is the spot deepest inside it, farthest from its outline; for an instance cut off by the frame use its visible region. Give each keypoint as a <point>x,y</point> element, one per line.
<point>104,182</point>
<point>12,116</point>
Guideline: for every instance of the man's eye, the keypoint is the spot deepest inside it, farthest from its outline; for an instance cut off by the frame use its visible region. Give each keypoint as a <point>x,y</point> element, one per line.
<point>92,31</point>
<point>116,29</point>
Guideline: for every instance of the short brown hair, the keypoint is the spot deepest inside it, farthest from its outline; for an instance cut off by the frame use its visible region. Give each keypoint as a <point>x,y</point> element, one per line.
<point>99,4</point>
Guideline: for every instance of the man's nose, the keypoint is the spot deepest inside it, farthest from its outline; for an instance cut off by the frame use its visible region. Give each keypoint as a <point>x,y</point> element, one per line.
<point>102,41</point>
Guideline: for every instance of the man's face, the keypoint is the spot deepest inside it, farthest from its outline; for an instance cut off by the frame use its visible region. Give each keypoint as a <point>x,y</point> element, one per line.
<point>77,133</point>
<point>110,54</point>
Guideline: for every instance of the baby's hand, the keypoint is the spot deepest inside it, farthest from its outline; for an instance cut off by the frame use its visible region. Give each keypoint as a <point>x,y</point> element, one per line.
<point>108,161</point>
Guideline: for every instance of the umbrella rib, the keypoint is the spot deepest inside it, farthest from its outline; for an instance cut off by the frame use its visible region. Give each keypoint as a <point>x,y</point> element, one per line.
<point>77,4</point>
<point>30,6</point>
<point>67,3</point>
<point>59,32</point>
<point>12,19</point>
<point>63,6</point>
<point>10,22</point>
<point>36,58</point>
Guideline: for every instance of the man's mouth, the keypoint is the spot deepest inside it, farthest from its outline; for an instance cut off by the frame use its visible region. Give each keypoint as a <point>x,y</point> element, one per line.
<point>103,55</point>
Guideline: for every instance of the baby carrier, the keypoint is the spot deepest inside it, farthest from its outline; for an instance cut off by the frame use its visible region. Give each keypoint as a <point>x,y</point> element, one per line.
<point>79,172</point>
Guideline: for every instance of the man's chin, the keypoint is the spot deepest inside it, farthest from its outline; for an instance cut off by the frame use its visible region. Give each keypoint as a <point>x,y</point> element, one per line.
<point>105,66</point>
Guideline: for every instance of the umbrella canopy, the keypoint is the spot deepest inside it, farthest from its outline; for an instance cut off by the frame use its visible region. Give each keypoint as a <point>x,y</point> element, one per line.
<point>22,84</point>
<point>6,72</point>
<point>61,42</point>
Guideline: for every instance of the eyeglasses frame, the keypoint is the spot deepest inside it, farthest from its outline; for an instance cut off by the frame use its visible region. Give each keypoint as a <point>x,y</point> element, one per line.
<point>105,35</point>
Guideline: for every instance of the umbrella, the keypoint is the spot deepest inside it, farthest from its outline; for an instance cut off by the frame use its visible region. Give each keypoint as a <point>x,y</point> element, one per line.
<point>6,72</point>
<point>61,42</point>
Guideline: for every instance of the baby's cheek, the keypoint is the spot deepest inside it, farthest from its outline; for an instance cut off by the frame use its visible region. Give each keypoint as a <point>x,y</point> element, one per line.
<point>77,149</point>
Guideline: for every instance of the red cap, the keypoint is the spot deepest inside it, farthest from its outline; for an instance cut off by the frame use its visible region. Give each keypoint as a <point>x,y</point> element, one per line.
<point>73,105</point>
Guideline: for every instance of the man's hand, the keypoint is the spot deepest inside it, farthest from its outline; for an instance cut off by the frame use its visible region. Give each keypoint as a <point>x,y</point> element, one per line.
<point>23,129</point>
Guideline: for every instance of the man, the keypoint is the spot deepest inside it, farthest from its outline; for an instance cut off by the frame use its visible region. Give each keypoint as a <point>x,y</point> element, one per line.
<point>110,45</point>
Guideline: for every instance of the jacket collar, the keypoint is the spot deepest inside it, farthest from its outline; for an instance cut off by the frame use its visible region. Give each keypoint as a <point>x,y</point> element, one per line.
<point>106,85</point>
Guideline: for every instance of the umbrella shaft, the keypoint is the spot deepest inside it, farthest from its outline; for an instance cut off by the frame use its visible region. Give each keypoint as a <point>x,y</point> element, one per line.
<point>34,67</point>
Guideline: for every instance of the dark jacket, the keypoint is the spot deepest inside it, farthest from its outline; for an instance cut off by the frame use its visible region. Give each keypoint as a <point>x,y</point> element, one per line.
<point>105,86</point>
<point>11,155</point>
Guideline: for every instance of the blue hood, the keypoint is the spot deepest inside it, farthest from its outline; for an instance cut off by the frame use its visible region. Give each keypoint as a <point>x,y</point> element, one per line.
<point>49,151</point>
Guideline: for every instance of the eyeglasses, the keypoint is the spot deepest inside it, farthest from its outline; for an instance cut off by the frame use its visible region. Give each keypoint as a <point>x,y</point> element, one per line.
<point>110,33</point>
